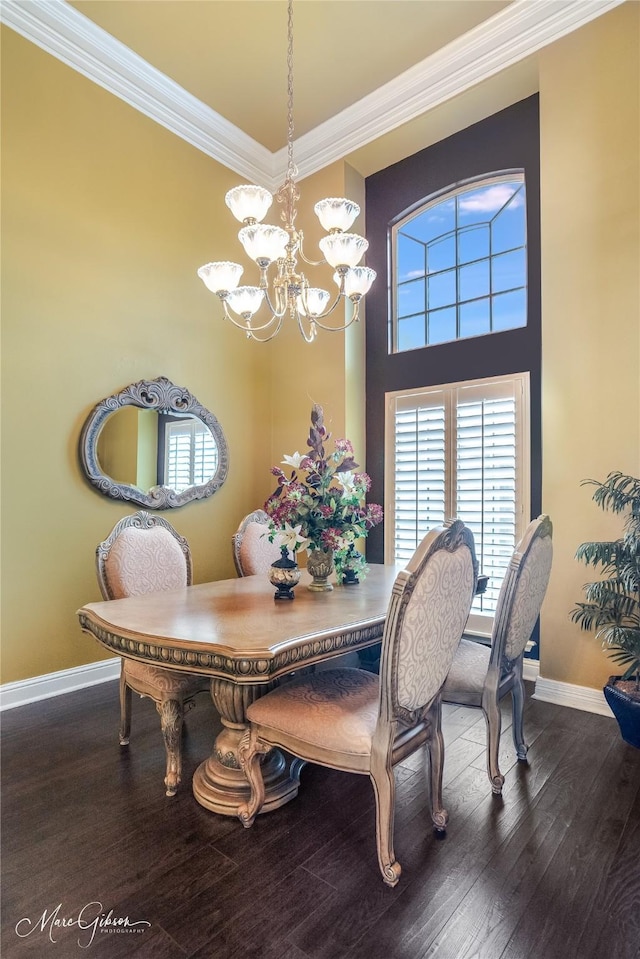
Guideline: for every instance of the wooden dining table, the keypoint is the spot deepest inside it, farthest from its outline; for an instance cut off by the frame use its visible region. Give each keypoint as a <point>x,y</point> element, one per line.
<point>233,631</point>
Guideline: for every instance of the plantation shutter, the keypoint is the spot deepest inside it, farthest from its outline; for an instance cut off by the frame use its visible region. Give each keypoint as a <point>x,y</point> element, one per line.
<point>460,450</point>
<point>191,455</point>
<point>486,479</point>
<point>419,471</point>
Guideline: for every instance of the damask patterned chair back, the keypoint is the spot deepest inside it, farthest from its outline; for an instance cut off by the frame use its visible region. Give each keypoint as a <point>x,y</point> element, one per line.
<point>142,554</point>
<point>145,554</point>
<point>522,592</point>
<point>429,608</point>
<point>481,675</point>
<point>252,551</point>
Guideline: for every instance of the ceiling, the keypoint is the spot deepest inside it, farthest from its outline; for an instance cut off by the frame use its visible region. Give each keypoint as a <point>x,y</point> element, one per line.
<point>232,54</point>
<point>374,80</point>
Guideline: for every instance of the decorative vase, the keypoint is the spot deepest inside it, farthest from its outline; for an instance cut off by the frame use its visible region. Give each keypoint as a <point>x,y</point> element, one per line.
<point>349,578</point>
<point>320,566</point>
<point>284,574</point>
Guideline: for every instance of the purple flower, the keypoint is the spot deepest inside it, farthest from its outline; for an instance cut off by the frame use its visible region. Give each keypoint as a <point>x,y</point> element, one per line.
<point>344,446</point>
<point>374,514</point>
<point>363,480</point>
<point>332,538</point>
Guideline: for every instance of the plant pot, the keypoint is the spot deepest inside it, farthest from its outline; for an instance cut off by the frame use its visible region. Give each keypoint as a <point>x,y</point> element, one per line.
<point>626,709</point>
<point>349,578</point>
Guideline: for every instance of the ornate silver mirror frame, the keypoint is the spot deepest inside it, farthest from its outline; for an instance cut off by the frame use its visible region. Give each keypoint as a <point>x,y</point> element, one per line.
<point>163,396</point>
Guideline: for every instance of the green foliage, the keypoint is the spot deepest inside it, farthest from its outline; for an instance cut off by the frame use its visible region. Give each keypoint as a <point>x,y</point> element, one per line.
<point>612,606</point>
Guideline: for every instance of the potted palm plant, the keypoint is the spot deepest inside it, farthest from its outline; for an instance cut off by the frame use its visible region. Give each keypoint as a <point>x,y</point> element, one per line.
<point>612,606</point>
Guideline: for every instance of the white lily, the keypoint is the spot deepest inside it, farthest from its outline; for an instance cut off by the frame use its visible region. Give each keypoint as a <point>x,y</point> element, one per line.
<point>294,460</point>
<point>292,538</point>
<point>346,480</point>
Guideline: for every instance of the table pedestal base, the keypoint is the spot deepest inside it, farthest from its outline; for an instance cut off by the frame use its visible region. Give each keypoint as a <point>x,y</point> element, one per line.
<point>219,783</point>
<point>223,790</point>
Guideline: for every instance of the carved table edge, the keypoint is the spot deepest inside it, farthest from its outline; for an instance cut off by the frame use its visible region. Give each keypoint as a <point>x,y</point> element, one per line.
<point>248,669</point>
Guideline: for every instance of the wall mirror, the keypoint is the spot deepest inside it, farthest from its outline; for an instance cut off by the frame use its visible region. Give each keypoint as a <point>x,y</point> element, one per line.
<point>154,445</point>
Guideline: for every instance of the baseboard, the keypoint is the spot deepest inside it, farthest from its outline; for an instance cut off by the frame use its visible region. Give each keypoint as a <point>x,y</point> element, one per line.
<point>79,677</point>
<point>577,697</point>
<point>56,684</point>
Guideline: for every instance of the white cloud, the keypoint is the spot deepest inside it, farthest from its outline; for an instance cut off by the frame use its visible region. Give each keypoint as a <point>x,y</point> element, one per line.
<point>489,200</point>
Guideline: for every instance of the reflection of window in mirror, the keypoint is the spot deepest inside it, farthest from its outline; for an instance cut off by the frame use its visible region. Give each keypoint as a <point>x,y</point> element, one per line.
<point>187,452</point>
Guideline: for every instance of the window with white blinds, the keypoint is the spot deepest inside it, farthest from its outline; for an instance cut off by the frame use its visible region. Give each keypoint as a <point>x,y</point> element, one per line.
<point>460,450</point>
<point>191,454</point>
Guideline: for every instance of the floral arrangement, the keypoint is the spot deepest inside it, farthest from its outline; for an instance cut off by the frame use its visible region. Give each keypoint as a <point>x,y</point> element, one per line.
<point>322,504</point>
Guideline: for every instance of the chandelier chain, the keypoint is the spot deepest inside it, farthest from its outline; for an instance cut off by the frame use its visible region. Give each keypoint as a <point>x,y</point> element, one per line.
<point>291,170</point>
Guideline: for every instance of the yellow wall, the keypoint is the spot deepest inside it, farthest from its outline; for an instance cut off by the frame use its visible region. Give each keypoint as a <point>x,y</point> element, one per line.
<point>105,218</point>
<point>590,161</point>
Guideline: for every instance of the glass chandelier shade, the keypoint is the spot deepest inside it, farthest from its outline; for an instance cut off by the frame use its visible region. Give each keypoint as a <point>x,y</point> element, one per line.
<point>220,278</point>
<point>249,203</point>
<point>336,213</point>
<point>357,281</point>
<point>313,302</point>
<point>287,290</point>
<point>263,243</point>
<point>343,249</point>
<point>245,300</point>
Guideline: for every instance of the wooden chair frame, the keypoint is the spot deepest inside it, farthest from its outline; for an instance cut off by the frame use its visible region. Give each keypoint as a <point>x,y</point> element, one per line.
<point>504,675</point>
<point>174,694</point>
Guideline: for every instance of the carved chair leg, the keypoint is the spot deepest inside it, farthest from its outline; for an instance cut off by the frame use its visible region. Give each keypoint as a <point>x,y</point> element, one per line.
<point>517,698</point>
<point>493,719</point>
<point>171,715</point>
<point>125,709</point>
<point>250,751</point>
<point>384,790</point>
<point>439,814</point>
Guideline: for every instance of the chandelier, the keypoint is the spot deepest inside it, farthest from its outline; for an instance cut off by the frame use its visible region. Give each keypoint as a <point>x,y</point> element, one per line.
<point>268,246</point>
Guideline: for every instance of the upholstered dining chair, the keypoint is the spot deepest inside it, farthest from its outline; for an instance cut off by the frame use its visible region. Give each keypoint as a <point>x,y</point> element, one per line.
<point>143,554</point>
<point>481,675</point>
<point>355,721</point>
<point>252,551</point>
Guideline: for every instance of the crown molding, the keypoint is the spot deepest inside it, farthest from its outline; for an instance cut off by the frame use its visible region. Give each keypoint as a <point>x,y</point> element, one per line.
<point>521,29</point>
<point>62,31</point>
<point>517,32</point>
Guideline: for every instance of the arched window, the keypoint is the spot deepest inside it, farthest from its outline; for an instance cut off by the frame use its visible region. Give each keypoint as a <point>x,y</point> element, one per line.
<point>459,264</point>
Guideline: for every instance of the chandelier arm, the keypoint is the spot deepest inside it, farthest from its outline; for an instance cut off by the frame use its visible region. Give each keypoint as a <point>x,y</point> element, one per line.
<point>277,313</point>
<point>265,339</point>
<point>251,329</point>
<point>339,329</point>
<point>301,252</point>
<point>311,335</point>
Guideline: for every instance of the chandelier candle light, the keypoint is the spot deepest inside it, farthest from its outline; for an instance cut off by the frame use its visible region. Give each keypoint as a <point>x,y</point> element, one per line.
<point>267,245</point>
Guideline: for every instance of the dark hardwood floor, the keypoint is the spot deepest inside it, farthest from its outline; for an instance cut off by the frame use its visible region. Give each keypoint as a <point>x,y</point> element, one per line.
<point>550,870</point>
